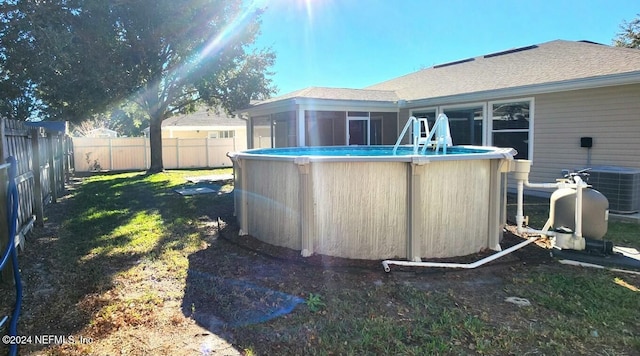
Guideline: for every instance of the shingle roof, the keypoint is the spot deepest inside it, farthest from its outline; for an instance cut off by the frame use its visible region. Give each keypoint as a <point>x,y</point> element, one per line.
<point>337,94</point>
<point>203,117</point>
<point>546,63</point>
<point>549,62</point>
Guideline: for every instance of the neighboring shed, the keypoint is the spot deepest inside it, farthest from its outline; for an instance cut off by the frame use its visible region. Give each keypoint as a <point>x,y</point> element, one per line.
<point>102,132</point>
<point>540,99</point>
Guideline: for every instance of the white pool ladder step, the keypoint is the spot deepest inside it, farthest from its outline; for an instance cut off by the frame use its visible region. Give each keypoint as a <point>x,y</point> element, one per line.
<point>439,137</point>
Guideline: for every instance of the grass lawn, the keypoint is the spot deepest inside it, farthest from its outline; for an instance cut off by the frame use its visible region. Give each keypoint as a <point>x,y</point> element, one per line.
<point>129,266</point>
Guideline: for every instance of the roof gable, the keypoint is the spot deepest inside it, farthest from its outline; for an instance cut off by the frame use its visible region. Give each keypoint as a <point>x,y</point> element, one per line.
<point>203,117</point>
<point>102,130</point>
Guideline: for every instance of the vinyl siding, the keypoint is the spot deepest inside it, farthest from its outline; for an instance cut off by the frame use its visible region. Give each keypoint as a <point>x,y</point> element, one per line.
<point>610,115</point>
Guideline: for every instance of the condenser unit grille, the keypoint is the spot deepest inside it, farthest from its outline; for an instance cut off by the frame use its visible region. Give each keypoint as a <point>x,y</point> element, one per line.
<point>620,185</point>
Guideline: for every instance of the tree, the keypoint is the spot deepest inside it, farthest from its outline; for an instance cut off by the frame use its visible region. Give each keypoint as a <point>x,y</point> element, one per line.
<point>166,56</point>
<point>629,35</point>
<point>50,54</point>
<point>127,122</point>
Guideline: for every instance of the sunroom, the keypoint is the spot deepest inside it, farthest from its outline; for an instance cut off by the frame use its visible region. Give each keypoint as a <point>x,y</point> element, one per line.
<point>300,119</point>
<point>324,117</point>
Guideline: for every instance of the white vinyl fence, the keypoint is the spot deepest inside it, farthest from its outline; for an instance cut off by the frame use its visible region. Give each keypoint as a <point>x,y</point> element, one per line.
<point>133,153</point>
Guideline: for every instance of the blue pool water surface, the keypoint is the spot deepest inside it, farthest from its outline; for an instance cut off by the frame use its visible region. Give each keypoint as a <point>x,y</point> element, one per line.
<point>362,151</point>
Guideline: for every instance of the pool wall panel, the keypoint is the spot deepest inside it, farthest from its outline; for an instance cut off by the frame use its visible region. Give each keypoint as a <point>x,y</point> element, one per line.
<point>360,209</point>
<point>453,207</point>
<point>272,202</point>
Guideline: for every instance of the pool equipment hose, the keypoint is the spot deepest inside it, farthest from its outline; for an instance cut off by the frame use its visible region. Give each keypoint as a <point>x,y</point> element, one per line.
<point>10,252</point>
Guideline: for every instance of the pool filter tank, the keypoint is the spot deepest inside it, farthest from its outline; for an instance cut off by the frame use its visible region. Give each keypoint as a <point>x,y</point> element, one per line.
<point>595,216</point>
<point>595,211</point>
<point>570,226</point>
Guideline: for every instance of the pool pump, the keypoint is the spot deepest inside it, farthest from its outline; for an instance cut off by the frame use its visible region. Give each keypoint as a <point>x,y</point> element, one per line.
<point>578,214</point>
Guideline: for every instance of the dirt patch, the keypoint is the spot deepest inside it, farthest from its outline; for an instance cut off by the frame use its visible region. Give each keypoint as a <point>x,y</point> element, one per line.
<point>247,260</point>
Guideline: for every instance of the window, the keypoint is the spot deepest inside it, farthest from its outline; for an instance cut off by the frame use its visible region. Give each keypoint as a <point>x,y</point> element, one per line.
<point>285,132</point>
<point>261,131</point>
<point>511,126</point>
<point>466,124</point>
<point>325,128</point>
<point>509,123</point>
<point>358,128</point>
<point>430,115</point>
<point>222,134</point>
<point>375,130</point>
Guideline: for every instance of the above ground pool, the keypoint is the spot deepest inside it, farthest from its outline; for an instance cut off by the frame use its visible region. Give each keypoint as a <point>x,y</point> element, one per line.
<point>363,151</point>
<point>364,202</point>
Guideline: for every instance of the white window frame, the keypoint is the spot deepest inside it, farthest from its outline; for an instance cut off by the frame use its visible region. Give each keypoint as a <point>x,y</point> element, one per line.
<point>490,131</point>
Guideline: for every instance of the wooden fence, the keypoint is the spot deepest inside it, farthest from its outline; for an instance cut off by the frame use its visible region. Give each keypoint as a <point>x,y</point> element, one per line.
<point>46,158</point>
<point>133,153</point>
<point>43,167</point>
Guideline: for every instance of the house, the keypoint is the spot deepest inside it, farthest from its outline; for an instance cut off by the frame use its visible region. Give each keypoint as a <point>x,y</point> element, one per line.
<point>204,123</point>
<point>562,104</point>
<point>102,132</point>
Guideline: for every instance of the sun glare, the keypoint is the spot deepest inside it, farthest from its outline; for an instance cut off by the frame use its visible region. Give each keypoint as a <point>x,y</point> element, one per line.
<point>307,4</point>
<point>621,282</point>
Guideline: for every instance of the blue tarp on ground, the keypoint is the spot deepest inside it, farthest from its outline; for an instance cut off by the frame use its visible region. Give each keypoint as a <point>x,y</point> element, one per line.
<point>199,188</point>
<point>218,302</point>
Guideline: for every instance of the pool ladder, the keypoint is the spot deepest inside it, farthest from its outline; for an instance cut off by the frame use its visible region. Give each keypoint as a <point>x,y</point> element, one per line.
<point>439,137</point>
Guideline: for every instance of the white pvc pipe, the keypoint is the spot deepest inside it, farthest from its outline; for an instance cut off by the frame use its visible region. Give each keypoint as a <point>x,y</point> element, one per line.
<point>578,209</point>
<point>522,176</point>
<point>545,185</point>
<point>585,264</point>
<point>520,205</point>
<point>539,232</point>
<point>386,263</point>
<point>520,208</point>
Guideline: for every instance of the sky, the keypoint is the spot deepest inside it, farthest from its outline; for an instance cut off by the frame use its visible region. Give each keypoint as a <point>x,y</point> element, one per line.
<point>357,43</point>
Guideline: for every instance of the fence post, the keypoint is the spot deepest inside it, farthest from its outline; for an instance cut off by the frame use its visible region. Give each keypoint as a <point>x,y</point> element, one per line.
<point>52,168</point>
<point>206,151</point>
<point>146,161</point>
<point>110,154</point>
<point>3,140</point>
<point>7,273</point>
<point>60,172</point>
<point>37,179</point>
<point>178,153</point>
<point>66,154</point>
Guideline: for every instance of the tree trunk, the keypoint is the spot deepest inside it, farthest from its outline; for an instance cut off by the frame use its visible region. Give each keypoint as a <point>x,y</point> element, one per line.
<point>155,143</point>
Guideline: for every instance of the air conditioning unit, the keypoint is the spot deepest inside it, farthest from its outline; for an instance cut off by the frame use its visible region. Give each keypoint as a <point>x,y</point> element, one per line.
<point>621,186</point>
